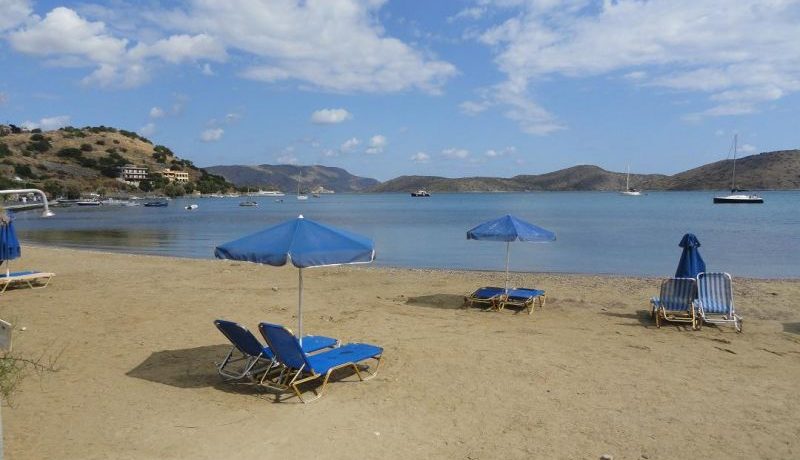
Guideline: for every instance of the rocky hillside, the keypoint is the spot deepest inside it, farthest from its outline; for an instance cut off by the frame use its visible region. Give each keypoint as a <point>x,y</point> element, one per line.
<point>766,171</point>
<point>287,177</point>
<point>86,159</point>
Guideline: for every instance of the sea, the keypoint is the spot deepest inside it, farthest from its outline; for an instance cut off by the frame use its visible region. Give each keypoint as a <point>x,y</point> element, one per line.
<point>597,232</point>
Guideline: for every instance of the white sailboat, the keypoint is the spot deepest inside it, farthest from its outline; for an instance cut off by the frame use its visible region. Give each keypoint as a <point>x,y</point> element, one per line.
<point>736,196</point>
<point>300,196</point>
<point>628,190</point>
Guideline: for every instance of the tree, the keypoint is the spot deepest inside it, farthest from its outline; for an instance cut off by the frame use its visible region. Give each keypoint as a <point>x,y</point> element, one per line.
<point>145,186</point>
<point>73,192</point>
<point>53,188</point>
<point>173,190</point>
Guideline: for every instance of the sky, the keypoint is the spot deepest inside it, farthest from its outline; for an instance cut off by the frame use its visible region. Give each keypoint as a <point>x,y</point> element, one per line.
<point>388,88</point>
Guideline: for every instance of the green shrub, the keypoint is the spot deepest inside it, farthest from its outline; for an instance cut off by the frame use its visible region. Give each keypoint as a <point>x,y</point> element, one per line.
<point>87,162</point>
<point>24,171</point>
<point>53,188</point>
<point>37,136</point>
<point>41,145</point>
<point>4,150</point>
<point>36,130</point>
<point>86,147</point>
<point>69,152</point>
<point>100,142</point>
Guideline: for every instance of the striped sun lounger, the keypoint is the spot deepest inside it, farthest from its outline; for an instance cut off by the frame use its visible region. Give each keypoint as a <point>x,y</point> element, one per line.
<point>714,302</point>
<point>674,302</point>
<point>31,278</point>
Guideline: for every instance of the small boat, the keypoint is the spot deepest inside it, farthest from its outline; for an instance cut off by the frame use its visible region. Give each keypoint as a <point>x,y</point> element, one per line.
<point>629,191</point>
<point>88,203</point>
<point>315,195</point>
<point>67,201</point>
<point>266,193</point>
<point>191,207</point>
<point>420,193</point>
<point>248,203</point>
<point>737,196</point>
<point>156,204</point>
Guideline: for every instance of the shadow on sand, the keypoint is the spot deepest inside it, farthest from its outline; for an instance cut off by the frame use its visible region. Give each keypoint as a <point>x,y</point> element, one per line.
<point>641,316</point>
<point>441,301</point>
<point>185,368</point>
<point>793,328</point>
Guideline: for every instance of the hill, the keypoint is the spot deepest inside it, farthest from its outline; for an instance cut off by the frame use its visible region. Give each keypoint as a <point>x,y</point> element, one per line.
<point>75,160</point>
<point>778,170</point>
<point>287,177</point>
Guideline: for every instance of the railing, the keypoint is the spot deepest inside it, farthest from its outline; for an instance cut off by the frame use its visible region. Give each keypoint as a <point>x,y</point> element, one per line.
<point>46,213</point>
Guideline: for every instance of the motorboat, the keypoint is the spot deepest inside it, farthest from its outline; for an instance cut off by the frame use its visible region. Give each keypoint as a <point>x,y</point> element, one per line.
<point>248,203</point>
<point>737,196</point>
<point>191,207</point>
<point>156,204</point>
<point>267,193</point>
<point>420,193</point>
<point>88,203</point>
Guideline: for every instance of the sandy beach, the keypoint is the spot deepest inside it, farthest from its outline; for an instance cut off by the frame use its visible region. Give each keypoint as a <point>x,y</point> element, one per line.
<point>587,375</point>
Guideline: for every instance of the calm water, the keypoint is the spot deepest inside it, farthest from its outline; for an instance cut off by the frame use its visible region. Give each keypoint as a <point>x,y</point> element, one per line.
<point>597,232</point>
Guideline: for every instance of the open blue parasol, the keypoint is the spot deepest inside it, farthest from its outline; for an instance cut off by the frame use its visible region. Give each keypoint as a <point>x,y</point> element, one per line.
<point>303,242</point>
<point>691,262</point>
<point>9,244</point>
<point>509,228</point>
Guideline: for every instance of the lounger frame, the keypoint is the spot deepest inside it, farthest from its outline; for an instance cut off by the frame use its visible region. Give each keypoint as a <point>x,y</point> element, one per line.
<point>27,278</point>
<point>471,299</point>
<point>247,360</point>
<point>675,302</point>
<point>528,303</point>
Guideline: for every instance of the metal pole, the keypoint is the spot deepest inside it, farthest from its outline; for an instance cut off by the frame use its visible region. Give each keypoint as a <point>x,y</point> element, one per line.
<point>300,307</point>
<point>508,245</point>
<point>47,212</point>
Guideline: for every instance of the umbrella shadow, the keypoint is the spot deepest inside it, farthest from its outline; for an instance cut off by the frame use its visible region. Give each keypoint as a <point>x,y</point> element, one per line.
<point>793,328</point>
<point>186,368</point>
<point>642,316</point>
<point>440,301</point>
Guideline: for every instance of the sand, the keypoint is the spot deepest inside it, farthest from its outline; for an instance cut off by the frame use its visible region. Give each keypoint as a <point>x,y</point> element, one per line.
<point>587,375</point>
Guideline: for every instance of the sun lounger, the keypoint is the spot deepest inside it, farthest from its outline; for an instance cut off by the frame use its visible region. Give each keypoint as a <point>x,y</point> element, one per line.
<point>31,278</point>
<point>674,302</point>
<point>253,358</point>
<point>488,295</point>
<point>523,298</point>
<point>714,302</point>
<point>300,367</point>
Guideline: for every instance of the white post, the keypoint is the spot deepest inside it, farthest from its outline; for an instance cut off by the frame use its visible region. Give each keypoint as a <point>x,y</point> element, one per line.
<point>47,212</point>
<point>508,245</point>
<point>300,307</point>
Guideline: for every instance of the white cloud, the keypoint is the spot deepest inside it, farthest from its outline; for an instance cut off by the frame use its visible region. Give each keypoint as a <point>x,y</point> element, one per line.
<point>287,159</point>
<point>157,112</point>
<point>349,145</point>
<point>330,116</point>
<point>207,70</point>
<point>178,48</point>
<point>377,144</point>
<point>232,117</point>
<point>492,153</point>
<point>473,13</point>
<point>455,154</point>
<point>473,107</point>
<point>3,98</point>
<point>420,157</point>
<point>347,51</point>
<point>747,148</point>
<point>212,134</point>
<point>14,13</point>
<point>330,153</point>
<point>148,130</point>
<point>48,123</point>
<point>741,53</point>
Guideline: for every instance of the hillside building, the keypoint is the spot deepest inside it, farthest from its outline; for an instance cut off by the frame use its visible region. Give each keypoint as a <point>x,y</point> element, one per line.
<point>177,176</point>
<point>132,174</point>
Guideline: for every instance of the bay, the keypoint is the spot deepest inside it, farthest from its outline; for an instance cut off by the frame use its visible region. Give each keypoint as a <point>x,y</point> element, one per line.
<point>597,232</point>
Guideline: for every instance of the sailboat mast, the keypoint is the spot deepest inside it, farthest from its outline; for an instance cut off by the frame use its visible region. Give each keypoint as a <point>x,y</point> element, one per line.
<point>628,178</point>
<point>735,147</point>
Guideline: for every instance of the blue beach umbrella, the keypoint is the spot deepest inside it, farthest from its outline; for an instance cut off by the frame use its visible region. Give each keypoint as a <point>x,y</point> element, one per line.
<point>509,228</point>
<point>303,242</point>
<point>691,262</point>
<point>9,244</point>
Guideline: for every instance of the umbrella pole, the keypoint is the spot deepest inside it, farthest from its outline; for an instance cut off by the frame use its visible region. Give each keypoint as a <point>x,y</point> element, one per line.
<point>300,307</point>
<point>508,245</point>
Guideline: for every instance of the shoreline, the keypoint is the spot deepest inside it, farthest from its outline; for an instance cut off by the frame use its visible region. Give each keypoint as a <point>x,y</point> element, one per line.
<point>586,375</point>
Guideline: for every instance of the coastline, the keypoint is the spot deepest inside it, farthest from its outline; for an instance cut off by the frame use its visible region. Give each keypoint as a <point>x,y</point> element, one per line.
<point>586,375</point>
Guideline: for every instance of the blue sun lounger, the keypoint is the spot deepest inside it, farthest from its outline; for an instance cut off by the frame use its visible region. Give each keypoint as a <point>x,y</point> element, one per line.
<point>488,295</point>
<point>522,297</point>
<point>300,367</point>
<point>675,302</point>
<point>254,358</point>
<point>714,302</point>
<point>26,277</point>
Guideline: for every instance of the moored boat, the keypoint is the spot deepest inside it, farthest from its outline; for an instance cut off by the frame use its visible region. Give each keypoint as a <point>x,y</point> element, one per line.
<point>156,204</point>
<point>191,207</point>
<point>420,193</point>
<point>248,203</point>
<point>736,196</point>
<point>88,203</point>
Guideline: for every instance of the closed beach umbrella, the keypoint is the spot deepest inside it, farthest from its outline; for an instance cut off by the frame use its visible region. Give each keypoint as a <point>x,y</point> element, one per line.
<point>509,228</point>
<point>303,242</point>
<point>9,244</point>
<point>691,262</point>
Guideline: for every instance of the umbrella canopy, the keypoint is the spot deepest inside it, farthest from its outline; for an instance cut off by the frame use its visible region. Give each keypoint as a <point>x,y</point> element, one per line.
<point>691,262</point>
<point>303,242</point>
<point>509,228</point>
<point>9,244</point>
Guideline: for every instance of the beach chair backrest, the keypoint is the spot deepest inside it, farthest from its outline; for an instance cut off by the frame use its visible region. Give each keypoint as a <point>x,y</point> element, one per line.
<point>240,337</point>
<point>715,292</point>
<point>487,292</point>
<point>677,294</point>
<point>285,345</point>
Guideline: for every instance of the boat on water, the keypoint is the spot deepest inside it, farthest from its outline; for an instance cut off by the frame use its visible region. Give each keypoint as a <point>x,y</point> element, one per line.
<point>737,196</point>
<point>248,203</point>
<point>629,191</point>
<point>420,193</point>
<point>191,207</point>
<point>266,193</point>
<point>156,204</point>
<point>88,203</point>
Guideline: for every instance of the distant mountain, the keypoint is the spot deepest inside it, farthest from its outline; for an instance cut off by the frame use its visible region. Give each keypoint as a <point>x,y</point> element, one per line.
<point>287,177</point>
<point>766,171</point>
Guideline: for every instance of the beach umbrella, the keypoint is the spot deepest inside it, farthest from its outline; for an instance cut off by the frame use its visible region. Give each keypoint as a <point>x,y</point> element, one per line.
<point>509,228</point>
<point>9,244</point>
<point>691,262</point>
<point>303,242</point>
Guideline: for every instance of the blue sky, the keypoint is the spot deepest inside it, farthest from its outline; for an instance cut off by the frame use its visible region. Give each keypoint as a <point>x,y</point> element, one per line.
<point>386,88</point>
